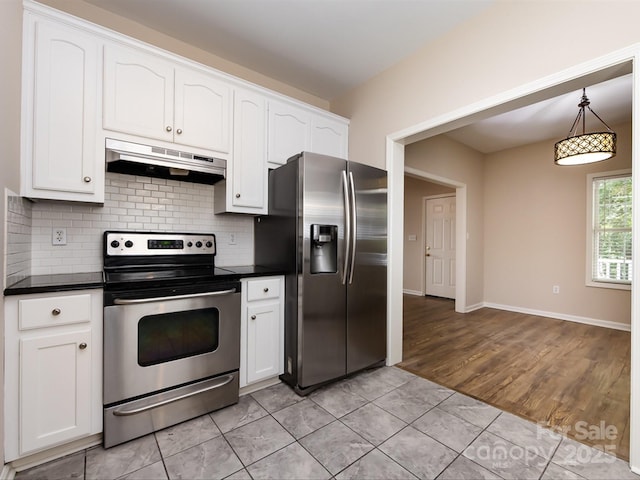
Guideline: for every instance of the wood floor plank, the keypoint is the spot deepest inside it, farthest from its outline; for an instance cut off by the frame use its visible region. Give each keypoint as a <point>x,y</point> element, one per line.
<point>566,375</point>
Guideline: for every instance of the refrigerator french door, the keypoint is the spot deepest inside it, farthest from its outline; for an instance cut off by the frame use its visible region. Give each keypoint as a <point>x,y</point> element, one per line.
<point>327,227</point>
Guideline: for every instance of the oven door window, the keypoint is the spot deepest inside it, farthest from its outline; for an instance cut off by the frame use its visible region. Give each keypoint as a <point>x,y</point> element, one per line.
<point>171,336</point>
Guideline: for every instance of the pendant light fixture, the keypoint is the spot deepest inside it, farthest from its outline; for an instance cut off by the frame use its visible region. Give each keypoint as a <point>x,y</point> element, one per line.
<point>586,147</point>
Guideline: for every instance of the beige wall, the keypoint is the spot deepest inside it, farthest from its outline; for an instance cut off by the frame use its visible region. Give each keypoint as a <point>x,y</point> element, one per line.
<point>535,233</point>
<point>10,59</point>
<point>414,192</point>
<point>136,30</point>
<point>446,158</point>
<point>511,44</point>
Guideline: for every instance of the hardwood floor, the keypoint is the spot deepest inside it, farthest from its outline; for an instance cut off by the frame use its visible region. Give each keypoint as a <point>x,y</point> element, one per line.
<point>570,376</point>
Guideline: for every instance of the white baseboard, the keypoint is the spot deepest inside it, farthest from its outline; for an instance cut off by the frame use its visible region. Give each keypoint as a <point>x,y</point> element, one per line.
<point>7,473</point>
<point>412,292</point>
<point>471,308</point>
<point>562,316</point>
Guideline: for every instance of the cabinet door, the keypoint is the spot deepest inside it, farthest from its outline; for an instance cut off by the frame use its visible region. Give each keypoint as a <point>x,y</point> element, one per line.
<point>263,341</point>
<point>55,389</point>
<point>138,93</point>
<point>60,152</point>
<point>289,132</point>
<point>202,111</point>
<point>248,171</point>
<point>329,137</point>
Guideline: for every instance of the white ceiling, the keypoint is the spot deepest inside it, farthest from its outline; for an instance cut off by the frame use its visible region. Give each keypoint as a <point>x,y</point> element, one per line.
<point>327,47</point>
<point>550,119</point>
<point>323,47</point>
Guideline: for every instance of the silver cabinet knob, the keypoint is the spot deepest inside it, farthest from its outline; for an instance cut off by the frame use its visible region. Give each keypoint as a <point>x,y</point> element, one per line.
<point>87,179</point>
<point>168,129</point>
<point>82,346</point>
<point>237,195</point>
<point>179,131</point>
<point>266,289</point>
<point>56,312</point>
<point>253,317</point>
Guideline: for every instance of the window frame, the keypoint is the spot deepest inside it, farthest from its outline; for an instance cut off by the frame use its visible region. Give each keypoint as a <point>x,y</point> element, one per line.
<point>589,281</point>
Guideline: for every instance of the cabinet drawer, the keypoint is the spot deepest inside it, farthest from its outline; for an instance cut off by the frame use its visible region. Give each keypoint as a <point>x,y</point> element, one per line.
<point>53,311</point>
<point>263,289</point>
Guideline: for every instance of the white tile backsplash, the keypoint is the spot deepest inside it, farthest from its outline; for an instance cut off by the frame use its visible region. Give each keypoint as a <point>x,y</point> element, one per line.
<point>19,218</point>
<point>132,203</point>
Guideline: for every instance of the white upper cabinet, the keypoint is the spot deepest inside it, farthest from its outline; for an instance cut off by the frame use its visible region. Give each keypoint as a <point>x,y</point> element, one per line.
<point>138,93</point>
<point>202,116</point>
<point>329,137</point>
<point>294,129</point>
<point>150,97</point>
<point>289,132</point>
<point>245,188</point>
<point>60,156</point>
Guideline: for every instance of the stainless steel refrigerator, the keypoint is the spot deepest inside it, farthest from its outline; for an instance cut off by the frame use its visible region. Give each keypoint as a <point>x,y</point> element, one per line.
<point>327,229</point>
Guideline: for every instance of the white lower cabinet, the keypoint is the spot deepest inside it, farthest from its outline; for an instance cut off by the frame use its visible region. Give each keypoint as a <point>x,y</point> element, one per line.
<point>262,329</point>
<point>53,381</point>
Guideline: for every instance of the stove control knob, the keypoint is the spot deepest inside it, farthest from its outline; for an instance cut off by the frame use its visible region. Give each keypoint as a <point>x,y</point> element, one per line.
<point>209,244</point>
<point>189,244</point>
<point>115,244</point>
<point>198,244</point>
<point>128,244</point>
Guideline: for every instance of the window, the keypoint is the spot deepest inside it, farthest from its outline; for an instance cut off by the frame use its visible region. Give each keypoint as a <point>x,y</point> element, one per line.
<point>609,229</point>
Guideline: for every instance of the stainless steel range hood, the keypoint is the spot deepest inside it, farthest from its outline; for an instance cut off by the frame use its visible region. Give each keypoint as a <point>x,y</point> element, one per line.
<point>148,161</point>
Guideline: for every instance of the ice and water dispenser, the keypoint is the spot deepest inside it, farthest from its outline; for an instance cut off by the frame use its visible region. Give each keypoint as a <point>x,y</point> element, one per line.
<point>324,248</point>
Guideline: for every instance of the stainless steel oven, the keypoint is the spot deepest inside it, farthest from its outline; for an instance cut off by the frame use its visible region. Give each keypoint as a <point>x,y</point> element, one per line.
<point>171,332</point>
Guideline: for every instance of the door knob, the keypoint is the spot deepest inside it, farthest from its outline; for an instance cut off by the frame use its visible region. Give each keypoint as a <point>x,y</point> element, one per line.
<point>179,131</point>
<point>168,129</point>
<point>56,311</point>
<point>82,346</point>
<point>253,317</point>
<point>87,179</point>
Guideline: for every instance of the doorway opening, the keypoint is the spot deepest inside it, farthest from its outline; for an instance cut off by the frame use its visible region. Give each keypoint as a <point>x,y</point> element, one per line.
<point>616,64</point>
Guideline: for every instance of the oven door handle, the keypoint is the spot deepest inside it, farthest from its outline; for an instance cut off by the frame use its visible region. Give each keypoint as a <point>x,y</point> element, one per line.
<point>134,411</point>
<point>124,301</point>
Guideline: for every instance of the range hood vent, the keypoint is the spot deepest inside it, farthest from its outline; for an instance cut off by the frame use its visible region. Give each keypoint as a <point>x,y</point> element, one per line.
<point>148,161</point>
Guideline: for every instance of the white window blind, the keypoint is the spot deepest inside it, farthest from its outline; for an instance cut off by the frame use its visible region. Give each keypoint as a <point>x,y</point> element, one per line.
<point>611,229</point>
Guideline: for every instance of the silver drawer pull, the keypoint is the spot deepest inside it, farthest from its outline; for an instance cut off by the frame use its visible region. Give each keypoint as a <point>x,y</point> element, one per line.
<point>87,179</point>
<point>82,346</point>
<point>55,312</point>
<point>168,129</point>
<point>266,289</point>
<point>123,413</point>
<point>179,131</point>
<point>253,317</point>
<point>121,301</point>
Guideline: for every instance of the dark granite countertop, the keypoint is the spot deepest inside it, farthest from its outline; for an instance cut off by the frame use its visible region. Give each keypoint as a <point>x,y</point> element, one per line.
<point>61,282</point>
<point>80,281</point>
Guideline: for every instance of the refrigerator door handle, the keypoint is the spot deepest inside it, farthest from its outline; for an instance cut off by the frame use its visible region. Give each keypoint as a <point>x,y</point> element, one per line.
<point>354,226</point>
<point>347,226</point>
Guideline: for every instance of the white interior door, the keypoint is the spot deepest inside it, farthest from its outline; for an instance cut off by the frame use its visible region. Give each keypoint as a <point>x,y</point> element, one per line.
<point>440,247</point>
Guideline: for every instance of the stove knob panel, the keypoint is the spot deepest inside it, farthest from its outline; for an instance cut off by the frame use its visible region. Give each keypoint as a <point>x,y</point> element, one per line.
<point>115,244</point>
<point>209,244</point>
<point>128,244</point>
<point>199,244</point>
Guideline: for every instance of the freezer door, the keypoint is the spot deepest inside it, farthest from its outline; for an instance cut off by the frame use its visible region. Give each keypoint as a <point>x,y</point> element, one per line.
<point>321,295</point>
<point>367,279</point>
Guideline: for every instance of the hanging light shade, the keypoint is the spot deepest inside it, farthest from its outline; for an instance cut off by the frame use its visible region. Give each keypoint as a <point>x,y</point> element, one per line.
<point>579,149</point>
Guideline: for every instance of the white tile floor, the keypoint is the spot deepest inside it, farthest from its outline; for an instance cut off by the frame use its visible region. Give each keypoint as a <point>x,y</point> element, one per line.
<point>381,424</point>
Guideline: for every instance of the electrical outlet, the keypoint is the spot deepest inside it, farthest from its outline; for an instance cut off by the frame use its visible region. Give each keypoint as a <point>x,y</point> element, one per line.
<point>556,289</point>
<point>59,236</point>
<point>232,239</point>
